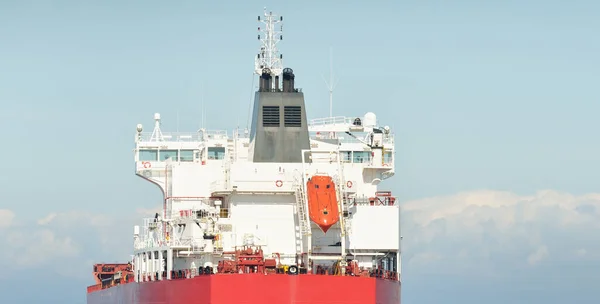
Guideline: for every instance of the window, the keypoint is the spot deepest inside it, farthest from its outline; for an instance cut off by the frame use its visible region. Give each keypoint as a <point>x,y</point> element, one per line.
<point>387,157</point>
<point>148,155</point>
<point>292,116</point>
<point>270,116</point>
<point>346,156</point>
<point>186,155</point>
<point>216,152</point>
<point>361,157</point>
<point>165,154</point>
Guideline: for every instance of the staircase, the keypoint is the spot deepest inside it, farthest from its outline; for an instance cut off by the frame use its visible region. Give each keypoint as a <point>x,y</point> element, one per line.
<point>302,212</point>
<point>341,188</point>
<point>341,183</point>
<point>301,207</point>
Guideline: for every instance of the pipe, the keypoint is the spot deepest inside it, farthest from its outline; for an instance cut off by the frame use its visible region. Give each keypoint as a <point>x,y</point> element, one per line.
<point>165,202</point>
<point>191,197</point>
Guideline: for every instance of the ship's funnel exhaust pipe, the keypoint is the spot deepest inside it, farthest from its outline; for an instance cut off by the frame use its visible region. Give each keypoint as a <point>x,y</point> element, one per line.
<point>288,80</point>
<point>265,80</point>
<point>279,130</point>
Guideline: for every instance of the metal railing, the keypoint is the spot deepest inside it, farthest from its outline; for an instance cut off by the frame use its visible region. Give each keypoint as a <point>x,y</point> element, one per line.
<point>185,136</point>
<point>330,121</point>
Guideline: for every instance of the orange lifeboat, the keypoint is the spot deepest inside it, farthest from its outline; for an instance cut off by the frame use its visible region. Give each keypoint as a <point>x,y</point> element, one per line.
<point>322,201</point>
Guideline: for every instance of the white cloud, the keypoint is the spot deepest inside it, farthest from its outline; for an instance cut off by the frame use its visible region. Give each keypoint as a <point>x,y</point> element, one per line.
<point>540,254</point>
<point>483,233</point>
<point>38,247</point>
<point>46,220</point>
<point>6,218</point>
<point>495,232</point>
<point>73,238</point>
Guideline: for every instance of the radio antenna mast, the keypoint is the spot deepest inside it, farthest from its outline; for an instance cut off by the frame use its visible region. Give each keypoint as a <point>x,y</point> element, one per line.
<point>268,56</point>
<point>330,85</point>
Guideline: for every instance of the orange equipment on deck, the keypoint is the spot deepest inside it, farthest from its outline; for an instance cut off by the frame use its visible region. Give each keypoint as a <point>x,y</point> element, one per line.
<point>322,201</point>
<point>109,275</point>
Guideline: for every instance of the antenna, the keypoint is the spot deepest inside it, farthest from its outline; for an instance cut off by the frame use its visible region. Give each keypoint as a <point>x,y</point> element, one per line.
<point>156,133</point>
<point>268,57</point>
<point>202,106</point>
<point>330,84</point>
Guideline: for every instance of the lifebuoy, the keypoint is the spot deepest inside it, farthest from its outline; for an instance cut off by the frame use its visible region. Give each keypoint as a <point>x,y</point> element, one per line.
<point>349,184</point>
<point>278,183</point>
<point>147,164</point>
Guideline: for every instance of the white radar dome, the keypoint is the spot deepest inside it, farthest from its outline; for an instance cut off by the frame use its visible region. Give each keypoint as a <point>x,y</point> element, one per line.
<point>139,128</point>
<point>156,116</point>
<point>370,120</point>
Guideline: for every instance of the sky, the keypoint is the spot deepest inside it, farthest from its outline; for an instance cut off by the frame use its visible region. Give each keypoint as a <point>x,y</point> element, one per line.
<point>493,104</point>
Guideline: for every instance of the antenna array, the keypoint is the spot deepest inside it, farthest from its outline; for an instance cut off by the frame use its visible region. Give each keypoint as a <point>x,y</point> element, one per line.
<point>268,57</point>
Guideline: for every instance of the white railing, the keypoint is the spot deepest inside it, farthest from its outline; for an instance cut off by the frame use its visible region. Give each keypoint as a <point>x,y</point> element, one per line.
<point>215,134</point>
<point>184,136</point>
<point>241,133</point>
<point>330,121</point>
<point>387,140</point>
<point>171,137</point>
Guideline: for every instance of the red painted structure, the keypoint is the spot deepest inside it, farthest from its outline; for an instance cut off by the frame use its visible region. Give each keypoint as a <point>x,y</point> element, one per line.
<point>322,201</point>
<point>247,260</point>
<point>247,278</point>
<point>254,288</point>
<point>109,275</point>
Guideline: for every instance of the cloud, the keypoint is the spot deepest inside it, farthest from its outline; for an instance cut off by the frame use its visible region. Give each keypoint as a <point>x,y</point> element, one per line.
<point>470,236</point>
<point>494,233</point>
<point>74,238</point>
<point>38,247</point>
<point>6,218</point>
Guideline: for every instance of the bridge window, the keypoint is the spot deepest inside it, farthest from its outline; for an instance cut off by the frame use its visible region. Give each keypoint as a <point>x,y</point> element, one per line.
<point>292,116</point>
<point>148,155</point>
<point>216,152</point>
<point>186,155</point>
<point>361,156</point>
<point>165,154</point>
<point>346,156</point>
<point>387,157</point>
<point>270,116</point>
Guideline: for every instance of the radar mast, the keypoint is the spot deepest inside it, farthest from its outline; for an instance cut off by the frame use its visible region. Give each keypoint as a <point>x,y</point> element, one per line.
<point>268,56</point>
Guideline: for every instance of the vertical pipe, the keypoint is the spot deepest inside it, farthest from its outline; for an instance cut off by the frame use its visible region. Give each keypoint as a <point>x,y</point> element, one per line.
<point>169,263</point>
<point>161,269</point>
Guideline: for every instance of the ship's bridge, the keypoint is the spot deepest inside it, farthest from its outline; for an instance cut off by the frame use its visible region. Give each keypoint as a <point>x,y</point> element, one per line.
<point>181,147</point>
<point>155,149</point>
<point>356,137</point>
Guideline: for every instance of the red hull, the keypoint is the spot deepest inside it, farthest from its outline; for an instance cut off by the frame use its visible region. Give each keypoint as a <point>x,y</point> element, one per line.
<point>254,288</point>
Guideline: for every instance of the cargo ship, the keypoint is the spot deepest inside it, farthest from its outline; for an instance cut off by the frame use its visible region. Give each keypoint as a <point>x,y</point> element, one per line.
<point>285,211</point>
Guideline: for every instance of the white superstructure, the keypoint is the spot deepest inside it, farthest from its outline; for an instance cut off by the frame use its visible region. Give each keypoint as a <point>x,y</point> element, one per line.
<point>217,199</point>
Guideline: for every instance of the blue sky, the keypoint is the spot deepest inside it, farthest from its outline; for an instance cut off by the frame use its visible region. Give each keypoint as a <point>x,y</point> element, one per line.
<point>494,104</point>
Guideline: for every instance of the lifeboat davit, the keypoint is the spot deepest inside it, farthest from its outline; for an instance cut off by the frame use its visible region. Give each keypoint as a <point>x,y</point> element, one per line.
<point>322,201</point>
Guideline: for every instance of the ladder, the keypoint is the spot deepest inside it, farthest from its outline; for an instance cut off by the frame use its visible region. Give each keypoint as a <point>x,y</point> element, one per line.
<point>303,222</point>
<point>341,204</point>
<point>341,186</point>
<point>302,212</point>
